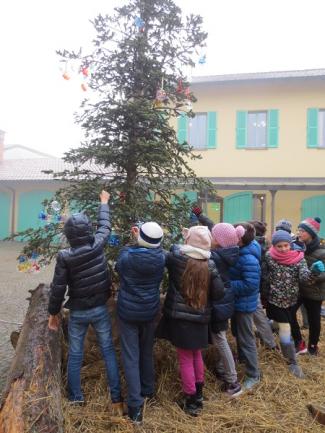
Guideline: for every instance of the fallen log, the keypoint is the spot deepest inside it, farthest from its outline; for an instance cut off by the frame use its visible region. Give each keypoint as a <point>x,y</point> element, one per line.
<point>317,412</point>
<point>31,401</point>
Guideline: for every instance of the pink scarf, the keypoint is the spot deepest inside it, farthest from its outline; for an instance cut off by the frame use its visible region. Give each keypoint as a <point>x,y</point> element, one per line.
<point>290,257</point>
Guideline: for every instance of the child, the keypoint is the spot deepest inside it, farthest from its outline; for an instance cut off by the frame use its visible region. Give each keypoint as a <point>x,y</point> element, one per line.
<point>263,327</point>
<point>245,282</point>
<point>312,294</point>
<point>193,279</point>
<point>225,253</point>
<point>283,270</point>
<point>83,268</point>
<point>141,269</point>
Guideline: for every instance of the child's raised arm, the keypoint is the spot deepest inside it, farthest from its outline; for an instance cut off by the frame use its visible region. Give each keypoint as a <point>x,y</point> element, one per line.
<point>103,220</point>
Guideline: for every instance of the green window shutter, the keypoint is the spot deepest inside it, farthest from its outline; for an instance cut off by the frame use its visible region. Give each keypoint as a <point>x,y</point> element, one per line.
<point>212,130</point>
<point>238,207</point>
<point>312,127</point>
<point>182,126</point>
<point>314,206</point>
<point>241,130</point>
<point>273,128</point>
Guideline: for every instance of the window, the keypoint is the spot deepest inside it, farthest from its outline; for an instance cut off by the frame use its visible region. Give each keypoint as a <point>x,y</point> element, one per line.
<point>321,128</point>
<point>257,129</point>
<point>197,131</point>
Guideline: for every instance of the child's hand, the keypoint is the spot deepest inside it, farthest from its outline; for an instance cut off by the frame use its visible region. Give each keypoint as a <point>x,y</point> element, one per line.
<point>104,197</point>
<point>54,323</point>
<point>317,267</point>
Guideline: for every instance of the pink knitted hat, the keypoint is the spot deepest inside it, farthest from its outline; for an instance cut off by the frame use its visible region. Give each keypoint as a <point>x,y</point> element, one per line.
<point>198,236</point>
<point>226,235</point>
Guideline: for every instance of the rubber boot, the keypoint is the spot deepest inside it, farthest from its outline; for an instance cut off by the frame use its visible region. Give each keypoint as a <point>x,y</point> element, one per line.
<point>199,394</point>
<point>289,352</point>
<point>189,405</point>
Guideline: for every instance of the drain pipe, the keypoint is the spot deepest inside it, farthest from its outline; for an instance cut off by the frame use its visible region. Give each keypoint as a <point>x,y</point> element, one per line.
<point>13,209</point>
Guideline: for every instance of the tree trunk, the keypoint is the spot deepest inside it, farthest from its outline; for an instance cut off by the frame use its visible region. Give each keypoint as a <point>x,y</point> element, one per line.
<point>317,412</point>
<point>31,401</point>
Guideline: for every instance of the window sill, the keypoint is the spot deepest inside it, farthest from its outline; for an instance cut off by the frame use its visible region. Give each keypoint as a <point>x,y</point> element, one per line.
<point>256,148</point>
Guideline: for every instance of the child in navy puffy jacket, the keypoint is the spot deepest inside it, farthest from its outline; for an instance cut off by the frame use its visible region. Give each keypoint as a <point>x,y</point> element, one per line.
<point>245,281</point>
<point>141,269</point>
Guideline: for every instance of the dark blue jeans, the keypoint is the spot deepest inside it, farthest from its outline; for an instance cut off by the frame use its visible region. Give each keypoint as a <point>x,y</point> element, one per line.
<point>79,321</point>
<point>137,355</point>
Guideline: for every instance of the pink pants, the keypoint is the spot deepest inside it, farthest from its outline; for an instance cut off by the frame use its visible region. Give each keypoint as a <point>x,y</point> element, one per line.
<point>191,369</point>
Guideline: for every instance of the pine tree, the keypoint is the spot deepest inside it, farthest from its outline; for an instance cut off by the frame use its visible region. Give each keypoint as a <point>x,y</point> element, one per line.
<point>137,89</point>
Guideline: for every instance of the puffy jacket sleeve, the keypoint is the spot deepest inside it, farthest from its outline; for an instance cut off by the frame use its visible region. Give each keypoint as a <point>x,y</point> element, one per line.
<point>217,289</point>
<point>58,286</point>
<point>205,221</point>
<point>249,282</point>
<point>305,275</point>
<point>103,224</point>
<point>265,278</point>
<point>120,258</point>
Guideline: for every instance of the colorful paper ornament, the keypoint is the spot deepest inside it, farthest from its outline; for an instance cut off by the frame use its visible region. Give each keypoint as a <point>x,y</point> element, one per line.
<point>187,92</point>
<point>85,71</point>
<point>29,264</point>
<point>113,240</point>
<point>42,216</point>
<point>84,87</point>
<point>66,76</point>
<point>179,88</point>
<point>55,205</point>
<point>139,23</point>
<point>202,59</point>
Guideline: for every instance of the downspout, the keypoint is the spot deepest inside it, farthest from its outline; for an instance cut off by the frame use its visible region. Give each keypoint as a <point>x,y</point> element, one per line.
<point>13,209</point>
<point>273,192</point>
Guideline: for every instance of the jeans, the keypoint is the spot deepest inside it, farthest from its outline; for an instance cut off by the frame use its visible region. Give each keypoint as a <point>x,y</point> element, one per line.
<point>226,364</point>
<point>79,321</point>
<point>242,325</point>
<point>313,309</point>
<point>137,339</point>
<point>191,369</point>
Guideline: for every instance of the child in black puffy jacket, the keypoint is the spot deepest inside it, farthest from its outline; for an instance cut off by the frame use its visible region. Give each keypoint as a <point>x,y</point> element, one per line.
<point>193,282</point>
<point>83,269</point>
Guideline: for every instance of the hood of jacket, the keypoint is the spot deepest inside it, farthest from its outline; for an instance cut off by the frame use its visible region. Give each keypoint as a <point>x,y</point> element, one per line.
<point>228,255</point>
<point>253,248</point>
<point>78,229</point>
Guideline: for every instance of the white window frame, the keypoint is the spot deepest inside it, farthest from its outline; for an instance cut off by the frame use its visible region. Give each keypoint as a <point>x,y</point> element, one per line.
<point>203,140</point>
<point>257,125</point>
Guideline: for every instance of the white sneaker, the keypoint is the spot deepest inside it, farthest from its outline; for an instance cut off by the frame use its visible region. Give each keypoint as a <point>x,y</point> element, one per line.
<point>250,382</point>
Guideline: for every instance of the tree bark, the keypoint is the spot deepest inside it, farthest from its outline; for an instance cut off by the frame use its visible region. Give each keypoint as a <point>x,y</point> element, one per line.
<point>317,412</point>
<point>31,401</point>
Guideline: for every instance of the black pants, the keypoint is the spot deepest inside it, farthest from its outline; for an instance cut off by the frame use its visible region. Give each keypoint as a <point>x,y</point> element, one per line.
<point>137,341</point>
<point>314,319</point>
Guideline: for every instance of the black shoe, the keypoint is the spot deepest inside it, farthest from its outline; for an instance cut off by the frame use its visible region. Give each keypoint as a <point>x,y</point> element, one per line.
<point>135,414</point>
<point>199,394</point>
<point>189,405</point>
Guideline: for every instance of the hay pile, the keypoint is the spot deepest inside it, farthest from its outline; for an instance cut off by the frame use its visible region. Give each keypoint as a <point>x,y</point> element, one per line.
<point>277,405</point>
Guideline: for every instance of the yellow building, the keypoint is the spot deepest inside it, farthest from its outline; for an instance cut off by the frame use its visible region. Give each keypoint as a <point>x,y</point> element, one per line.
<point>262,141</point>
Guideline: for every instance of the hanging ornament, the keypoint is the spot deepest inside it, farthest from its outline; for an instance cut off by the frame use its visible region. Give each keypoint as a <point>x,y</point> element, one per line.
<point>122,197</point>
<point>66,76</point>
<point>187,92</point>
<point>202,59</point>
<point>161,96</point>
<point>42,216</point>
<point>55,205</point>
<point>179,88</point>
<point>85,71</point>
<point>139,23</point>
<point>84,87</point>
<point>113,240</point>
<point>29,264</point>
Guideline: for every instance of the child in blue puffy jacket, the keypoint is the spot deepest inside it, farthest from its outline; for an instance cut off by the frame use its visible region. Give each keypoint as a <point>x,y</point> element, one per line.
<point>245,281</point>
<point>141,269</point>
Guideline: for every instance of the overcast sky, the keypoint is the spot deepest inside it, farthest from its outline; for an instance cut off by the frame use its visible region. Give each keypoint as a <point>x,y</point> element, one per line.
<point>37,105</point>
